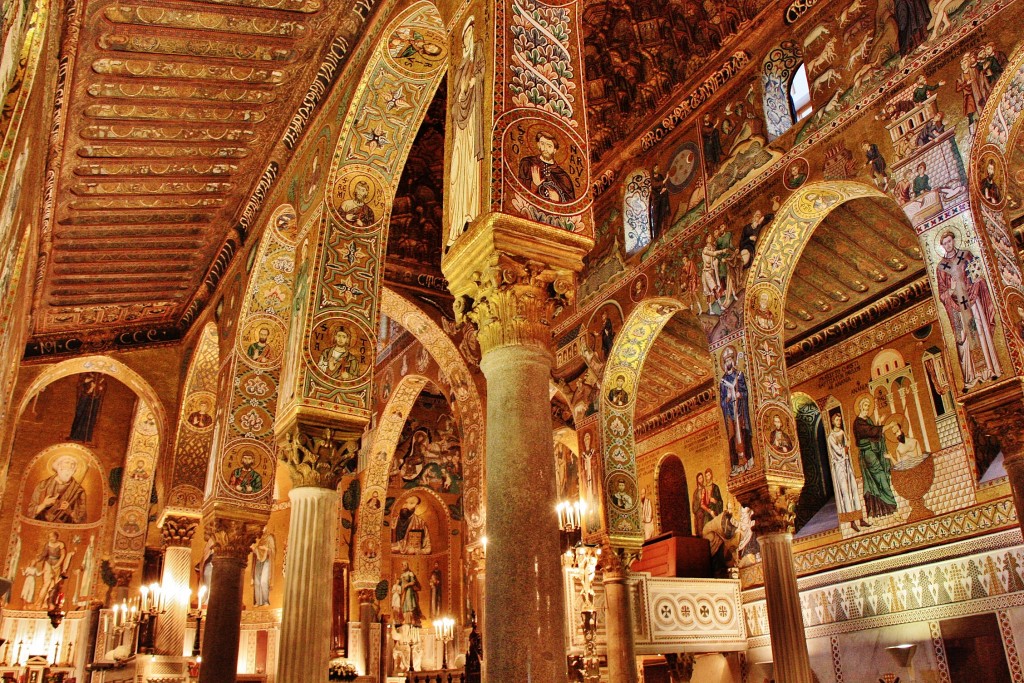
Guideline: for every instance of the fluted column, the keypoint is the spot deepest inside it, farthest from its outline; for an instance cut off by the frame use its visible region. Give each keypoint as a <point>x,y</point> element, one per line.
<point>316,459</point>
<point>507,276</point>
<point>619,619</point>
<point>773,510</point>
<point>232,543</point>
<point>177,532</point>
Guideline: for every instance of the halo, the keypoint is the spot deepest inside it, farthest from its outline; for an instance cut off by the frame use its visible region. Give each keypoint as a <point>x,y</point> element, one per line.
<point>887,424</point>
<point>68,450</point>
<point>958,238</point>
<point>859,398</point>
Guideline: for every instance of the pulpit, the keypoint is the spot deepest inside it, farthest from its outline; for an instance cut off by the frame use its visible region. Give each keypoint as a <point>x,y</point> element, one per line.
<point>675,555</point>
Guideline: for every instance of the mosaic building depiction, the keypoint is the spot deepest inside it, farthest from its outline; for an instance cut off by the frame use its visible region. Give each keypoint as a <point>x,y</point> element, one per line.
<point>506,340</point>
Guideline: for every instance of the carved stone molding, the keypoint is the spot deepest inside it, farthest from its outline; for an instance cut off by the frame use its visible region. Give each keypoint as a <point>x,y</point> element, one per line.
<point>123,577</point>
<point>178,530</point>
<point>317,456</point>
<point>680,666</point>
<point>773,508</point>
<point>232,537</point>
<point>615,562</point>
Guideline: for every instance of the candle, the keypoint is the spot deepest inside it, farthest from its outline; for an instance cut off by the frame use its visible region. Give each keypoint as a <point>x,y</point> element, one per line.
<point>144,590</point>
<point>202,596</point>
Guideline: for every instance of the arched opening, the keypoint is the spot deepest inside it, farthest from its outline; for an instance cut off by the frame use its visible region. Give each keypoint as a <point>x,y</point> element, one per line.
<point>853,247</point>
<point>673,498</point>
<point>813,510</point>
<point>659,365</point>
<point>799,93</point>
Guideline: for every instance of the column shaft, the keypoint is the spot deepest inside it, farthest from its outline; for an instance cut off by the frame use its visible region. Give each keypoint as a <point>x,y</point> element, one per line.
<point>170,635</point>
<point>619,629</point>
<point>524,629</point>
<point>785,620</point>
<point>305,647</point>
<point>223,620</point>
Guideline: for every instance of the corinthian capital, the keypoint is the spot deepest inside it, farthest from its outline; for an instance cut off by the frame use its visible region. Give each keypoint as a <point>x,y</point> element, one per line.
<point>510,276</point>
<point>317,456</point>
<point>772,507</point>
<point>178,530</point>
<point>513,300</point>
<point>232,537</point>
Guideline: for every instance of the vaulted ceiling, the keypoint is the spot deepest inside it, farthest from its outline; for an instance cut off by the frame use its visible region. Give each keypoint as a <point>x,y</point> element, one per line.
<point>863,249</point>
<point>170,116</point>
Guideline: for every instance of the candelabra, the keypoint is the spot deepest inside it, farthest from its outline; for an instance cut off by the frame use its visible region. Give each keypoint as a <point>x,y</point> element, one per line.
<point>570,521</point>
<point>444,629</point>
<point>199,613</point>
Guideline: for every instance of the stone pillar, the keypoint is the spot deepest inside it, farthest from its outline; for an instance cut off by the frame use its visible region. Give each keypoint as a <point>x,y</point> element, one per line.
<point>367,614</point>
<point>177,532</point>
<point>316,459</point>
<point>507,275</point>
<point>773,510</point>
<point>619,618</point>
<point>232,543</point>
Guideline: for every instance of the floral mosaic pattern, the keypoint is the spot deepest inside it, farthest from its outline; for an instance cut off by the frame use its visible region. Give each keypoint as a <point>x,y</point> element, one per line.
<point>541,62</point>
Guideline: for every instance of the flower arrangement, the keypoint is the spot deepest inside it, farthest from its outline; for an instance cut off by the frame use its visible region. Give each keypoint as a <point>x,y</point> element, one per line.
<point>340,669</point>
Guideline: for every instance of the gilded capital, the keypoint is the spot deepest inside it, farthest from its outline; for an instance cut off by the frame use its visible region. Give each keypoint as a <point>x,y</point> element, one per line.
<point>178,530</point>
<point>317,456</point>
<point>513,302</point>
<point>232,537</point>
<point>123,577</point>
<point>366,596</point>
<point>773,508</point>
<point>510,276</point>
<point>615,562</point>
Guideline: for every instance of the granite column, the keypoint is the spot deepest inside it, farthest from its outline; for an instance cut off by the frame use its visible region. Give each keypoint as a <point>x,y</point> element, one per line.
<point>508,275</point>
<point>232,543</point>
<point>177,532</point>
<point>619,620</point>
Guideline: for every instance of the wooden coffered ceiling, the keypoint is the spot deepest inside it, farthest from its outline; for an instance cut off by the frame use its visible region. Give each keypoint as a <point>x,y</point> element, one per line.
<point>171,113</point>
<point>863,250</point>
<point>677,363</point>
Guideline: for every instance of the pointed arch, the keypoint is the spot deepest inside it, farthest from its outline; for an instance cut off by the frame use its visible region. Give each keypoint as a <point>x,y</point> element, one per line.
<point>994,153</point>
<point>367,570</point>
<point>469,413</point>
<point>194,433</point>
<point>108,366</point>
<point>621,494</point>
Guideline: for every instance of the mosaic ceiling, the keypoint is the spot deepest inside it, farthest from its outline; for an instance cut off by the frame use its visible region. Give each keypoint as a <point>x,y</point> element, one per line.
<point>172,113</point>
<point>638,53</point>
<point>864,249</point>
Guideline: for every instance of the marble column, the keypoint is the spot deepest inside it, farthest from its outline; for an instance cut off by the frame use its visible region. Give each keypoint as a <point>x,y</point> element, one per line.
<point>316,459</point>
<point>367,612</point>
<point>773,510</point>
<point>619,620</point>
<point>232,543</point>
<point>507,276</point>
<point>176,532</point>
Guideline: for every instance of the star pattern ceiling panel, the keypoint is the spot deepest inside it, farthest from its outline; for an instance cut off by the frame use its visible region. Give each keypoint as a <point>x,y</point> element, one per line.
<point>172,113</point>
<point>861,251</point>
